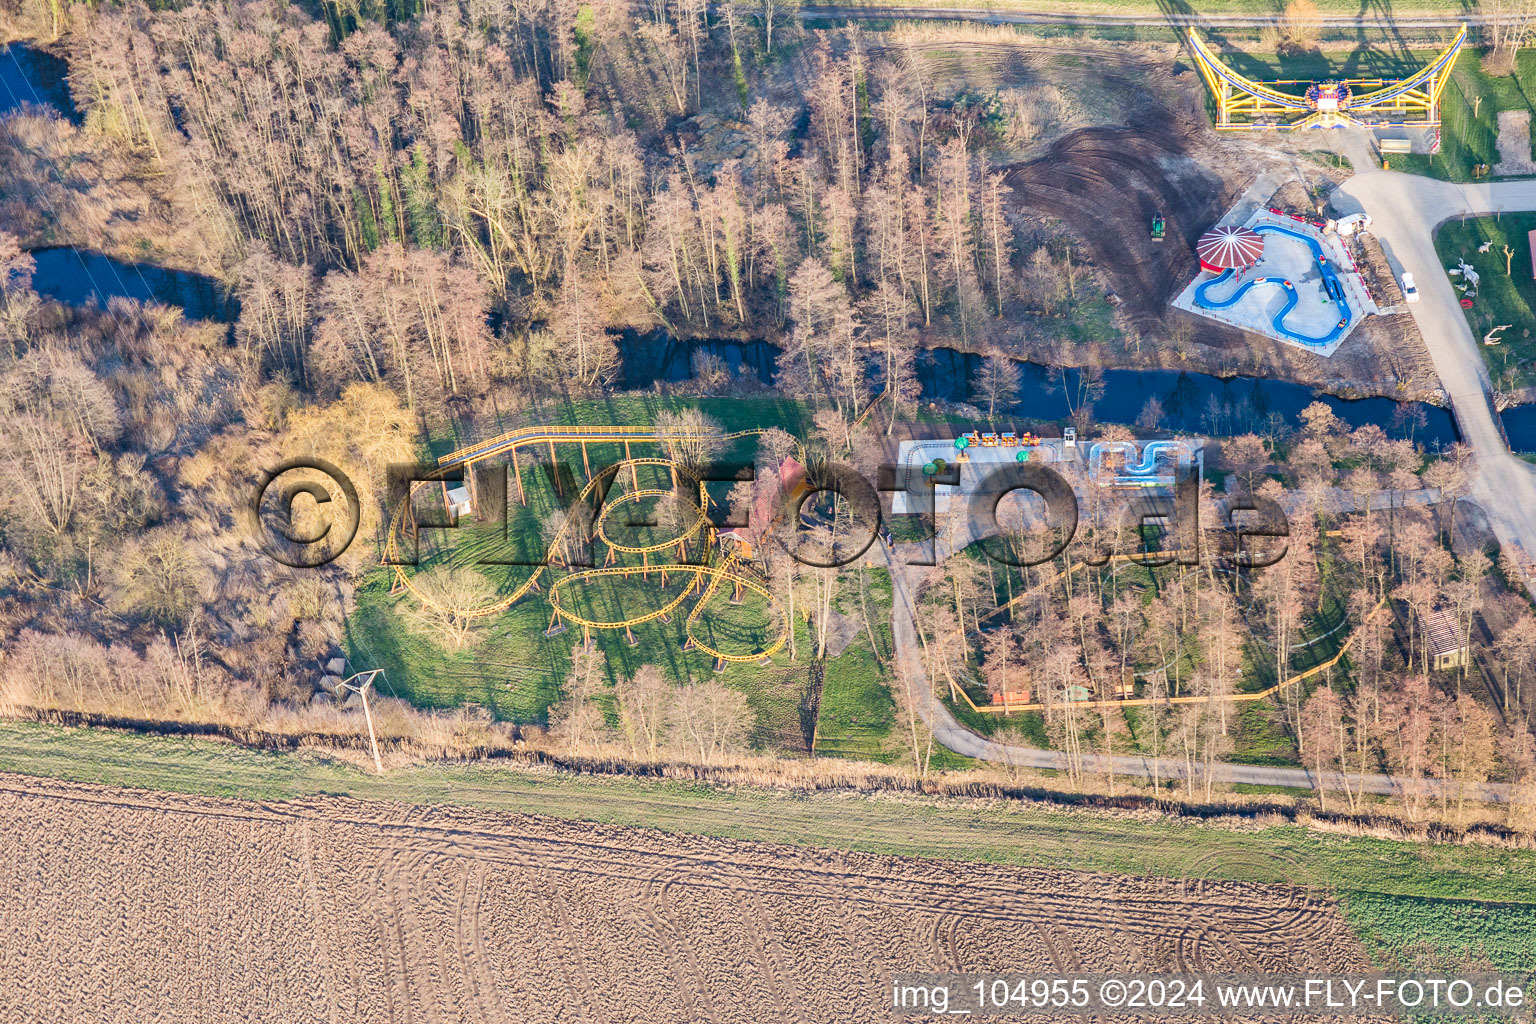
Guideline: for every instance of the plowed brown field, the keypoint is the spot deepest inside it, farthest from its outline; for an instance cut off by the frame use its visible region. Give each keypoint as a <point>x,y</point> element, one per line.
<point>127,905</point>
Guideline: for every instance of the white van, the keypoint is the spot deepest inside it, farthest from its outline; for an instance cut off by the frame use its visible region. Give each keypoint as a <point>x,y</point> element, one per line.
<point>1410,292</point>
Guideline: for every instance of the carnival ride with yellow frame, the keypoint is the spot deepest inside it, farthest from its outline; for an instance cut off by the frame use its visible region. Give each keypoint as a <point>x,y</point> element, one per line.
<point>706,579</point>
<point>1243,104</point>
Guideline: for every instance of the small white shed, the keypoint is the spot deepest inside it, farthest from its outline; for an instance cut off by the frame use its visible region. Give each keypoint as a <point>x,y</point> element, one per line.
<point>459,503</point>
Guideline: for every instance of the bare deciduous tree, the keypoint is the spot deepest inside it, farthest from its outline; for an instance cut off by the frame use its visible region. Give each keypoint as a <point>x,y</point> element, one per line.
<point>644,702</point>
<point>997,381</point>
<point>449,594</point>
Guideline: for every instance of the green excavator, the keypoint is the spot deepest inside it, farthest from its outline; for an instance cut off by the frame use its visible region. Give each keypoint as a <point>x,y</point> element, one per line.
<point>1158,227</point>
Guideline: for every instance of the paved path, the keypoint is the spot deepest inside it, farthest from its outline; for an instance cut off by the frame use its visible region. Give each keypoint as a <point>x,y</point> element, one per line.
<point>949,732</point>
<point>1405,209</point>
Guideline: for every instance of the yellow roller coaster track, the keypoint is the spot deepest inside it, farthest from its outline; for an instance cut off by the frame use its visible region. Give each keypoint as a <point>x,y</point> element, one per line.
<point>724,573</point>
<point>1138,702</point>
<point>1243,104</point>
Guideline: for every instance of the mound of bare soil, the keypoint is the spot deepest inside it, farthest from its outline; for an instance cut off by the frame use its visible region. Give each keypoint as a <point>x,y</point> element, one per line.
<point>1105,184</point>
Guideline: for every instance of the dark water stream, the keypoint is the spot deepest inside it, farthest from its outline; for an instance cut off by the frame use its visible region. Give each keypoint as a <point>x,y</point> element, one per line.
<point>79,277</point>
<point>1520,428</point>
<point>656,357</point>
<point>1192,402</point>
<point>29,75</point>
<point>32,76</point>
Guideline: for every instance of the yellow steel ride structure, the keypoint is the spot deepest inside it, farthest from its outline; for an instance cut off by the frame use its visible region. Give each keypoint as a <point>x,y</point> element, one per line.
<point>731,571</point>
<point>1243,104</point>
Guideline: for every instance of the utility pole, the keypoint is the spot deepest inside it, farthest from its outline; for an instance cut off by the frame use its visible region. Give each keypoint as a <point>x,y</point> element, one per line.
<point>362,689</point>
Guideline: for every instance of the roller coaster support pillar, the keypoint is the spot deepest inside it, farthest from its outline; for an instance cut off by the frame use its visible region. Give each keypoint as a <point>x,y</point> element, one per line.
<point>555,468</point>
<point>585,465</point>
<point>517,468</point>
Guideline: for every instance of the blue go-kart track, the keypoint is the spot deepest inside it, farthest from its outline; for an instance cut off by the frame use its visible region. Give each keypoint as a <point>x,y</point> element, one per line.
<point>1331,284</point>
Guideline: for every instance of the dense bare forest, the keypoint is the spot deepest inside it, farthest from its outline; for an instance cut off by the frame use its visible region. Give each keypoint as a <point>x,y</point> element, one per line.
<point>382,192</point>
<point>420,211</point>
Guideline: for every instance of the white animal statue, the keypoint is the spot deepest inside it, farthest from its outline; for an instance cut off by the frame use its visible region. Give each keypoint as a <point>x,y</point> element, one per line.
<point>1485,246</point>
<point>1468,273</point>
<point>1492,338</point>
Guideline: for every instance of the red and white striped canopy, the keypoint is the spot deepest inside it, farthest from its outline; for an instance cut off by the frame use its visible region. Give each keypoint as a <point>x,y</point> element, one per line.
<point>1226,247</point>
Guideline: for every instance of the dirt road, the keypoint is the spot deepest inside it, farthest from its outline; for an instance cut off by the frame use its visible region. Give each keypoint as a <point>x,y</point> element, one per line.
<point>996,16</point>
<point>136,905</point>
<point>1405,210</point>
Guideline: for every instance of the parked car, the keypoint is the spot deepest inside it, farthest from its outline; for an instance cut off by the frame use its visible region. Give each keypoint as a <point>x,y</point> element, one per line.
<point>1410,290</point>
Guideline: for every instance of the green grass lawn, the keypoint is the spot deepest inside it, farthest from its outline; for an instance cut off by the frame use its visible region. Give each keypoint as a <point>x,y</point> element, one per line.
<point>1460,903</point>
<point>1407,932</point>
<point>1328,158</point>
<point>1469,130</point>
<point>1260,736</point>
<point>516,671</point>
<point>857,711</point>
<point>1501,299</point>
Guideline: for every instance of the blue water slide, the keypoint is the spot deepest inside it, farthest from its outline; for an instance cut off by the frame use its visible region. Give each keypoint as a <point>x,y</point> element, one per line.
<point>1331,285</point>
<point>1142,472</point>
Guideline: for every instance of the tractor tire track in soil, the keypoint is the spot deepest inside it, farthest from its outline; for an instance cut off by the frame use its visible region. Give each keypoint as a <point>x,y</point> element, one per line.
<point>200,909</point>
<point>1106,183</point>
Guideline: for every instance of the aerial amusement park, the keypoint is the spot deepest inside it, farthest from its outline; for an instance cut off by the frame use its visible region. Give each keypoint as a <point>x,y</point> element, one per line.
<point>1291,276</point>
